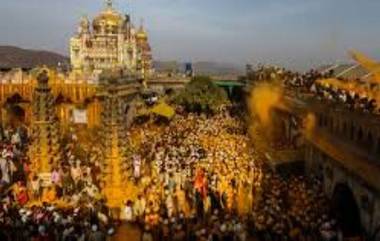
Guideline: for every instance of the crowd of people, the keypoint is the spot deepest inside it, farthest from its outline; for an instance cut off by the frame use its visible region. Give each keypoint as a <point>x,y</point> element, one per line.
<point>14,163</point>
<point>197,178</point>
<point>214,186</point>
<point>31,210</point>
<point>348,98</point>
<point>353,94</point>
<point>301,81</point>
<point>47,222</point>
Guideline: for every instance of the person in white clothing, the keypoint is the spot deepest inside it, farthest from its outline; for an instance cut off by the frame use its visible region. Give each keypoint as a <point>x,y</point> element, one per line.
<point>139,206</point>
<point>128,212</point>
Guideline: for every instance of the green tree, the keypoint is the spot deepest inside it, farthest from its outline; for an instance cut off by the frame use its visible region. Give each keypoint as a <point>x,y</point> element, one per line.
<point>201,95</point>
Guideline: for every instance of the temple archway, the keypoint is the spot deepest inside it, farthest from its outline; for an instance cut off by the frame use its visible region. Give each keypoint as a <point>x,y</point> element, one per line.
<point>16,109</point>
<point>15,115</point>
<point>15,98</point>
<point>346,211</point>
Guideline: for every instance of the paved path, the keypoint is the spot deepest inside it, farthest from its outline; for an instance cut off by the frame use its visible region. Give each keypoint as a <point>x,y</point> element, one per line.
<point>127,232</point>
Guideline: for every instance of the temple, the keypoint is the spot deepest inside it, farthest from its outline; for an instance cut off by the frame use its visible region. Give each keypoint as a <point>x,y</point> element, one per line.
<point>110,42</point>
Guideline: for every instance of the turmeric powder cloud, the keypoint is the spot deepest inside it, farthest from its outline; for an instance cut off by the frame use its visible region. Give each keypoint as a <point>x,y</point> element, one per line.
<point>265,97</point>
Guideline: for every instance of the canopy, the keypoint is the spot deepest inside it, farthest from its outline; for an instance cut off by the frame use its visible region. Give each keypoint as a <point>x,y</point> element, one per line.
<point>163,109</point>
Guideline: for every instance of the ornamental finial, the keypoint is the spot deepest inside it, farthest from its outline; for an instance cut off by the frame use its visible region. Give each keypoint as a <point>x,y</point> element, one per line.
<point>142,24</point>
<point>108,3</point>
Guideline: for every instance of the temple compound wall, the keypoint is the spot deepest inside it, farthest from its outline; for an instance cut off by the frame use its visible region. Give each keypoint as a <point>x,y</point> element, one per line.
<point>345,151</point>
<point>342,149</point>
<point>17,87</point>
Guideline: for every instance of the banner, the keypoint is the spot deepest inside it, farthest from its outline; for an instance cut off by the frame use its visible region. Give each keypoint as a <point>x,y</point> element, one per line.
<point>80,116</point>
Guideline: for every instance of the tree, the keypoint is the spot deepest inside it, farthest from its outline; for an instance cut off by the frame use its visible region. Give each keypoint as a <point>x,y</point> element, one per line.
<point>201,95</point>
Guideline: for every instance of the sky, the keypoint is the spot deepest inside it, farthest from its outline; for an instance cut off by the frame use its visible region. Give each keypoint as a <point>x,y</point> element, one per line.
<point>294,33</point>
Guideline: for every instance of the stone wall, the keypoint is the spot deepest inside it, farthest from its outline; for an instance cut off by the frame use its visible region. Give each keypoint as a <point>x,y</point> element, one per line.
<point>358,133</point>
<point>368,200</point>
<point>359,129</point>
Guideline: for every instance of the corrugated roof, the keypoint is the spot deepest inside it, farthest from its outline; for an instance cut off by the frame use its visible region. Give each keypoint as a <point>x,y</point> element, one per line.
<point>348,71</point>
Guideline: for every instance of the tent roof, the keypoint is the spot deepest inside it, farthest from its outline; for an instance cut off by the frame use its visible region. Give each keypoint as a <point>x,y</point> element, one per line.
<point>163,109</point>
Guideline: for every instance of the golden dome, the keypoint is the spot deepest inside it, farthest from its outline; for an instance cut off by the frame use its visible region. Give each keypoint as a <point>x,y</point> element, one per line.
<point>109,17</point>
<point>141,33</point>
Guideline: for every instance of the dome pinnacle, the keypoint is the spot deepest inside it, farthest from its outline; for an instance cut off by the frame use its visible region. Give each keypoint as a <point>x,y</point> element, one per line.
<point>108,3</point>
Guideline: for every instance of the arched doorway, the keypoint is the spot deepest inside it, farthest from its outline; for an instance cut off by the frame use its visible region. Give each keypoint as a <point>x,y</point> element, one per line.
<point>346,211</point>
<point>15,115</point>
<point>15,98</point>
<point>17,110</point>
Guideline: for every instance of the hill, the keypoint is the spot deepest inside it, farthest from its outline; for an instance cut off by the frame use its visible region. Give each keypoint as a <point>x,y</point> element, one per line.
<point>13,57</point>
<point>201,67</point>
<point>216,68</point>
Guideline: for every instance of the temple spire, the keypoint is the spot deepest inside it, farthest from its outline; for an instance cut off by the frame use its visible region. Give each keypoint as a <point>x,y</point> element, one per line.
<point>142,23</point>
<point>108,4</point>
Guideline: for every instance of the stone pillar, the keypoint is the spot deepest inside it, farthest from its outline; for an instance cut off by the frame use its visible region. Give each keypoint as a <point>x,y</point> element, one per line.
<point>114,133</point>
<point>45,150</point>
<point>93,111</point>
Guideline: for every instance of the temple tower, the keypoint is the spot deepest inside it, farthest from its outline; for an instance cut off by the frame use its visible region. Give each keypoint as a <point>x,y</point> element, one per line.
<point>45,148</point>
<point>110,41</point>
